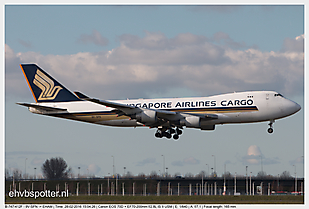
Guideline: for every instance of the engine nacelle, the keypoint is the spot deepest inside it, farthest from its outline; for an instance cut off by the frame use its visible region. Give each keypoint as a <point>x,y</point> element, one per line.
<point>147,116</point>
<point>197,122</point>
<point>208,127</point>
<point>191,122</point>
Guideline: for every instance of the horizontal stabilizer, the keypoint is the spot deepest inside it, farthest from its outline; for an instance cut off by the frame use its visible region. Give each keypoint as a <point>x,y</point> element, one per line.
<point>50,109</point>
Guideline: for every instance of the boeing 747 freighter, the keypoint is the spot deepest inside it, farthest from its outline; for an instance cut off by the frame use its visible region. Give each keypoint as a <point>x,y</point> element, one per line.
<point>169,115</point>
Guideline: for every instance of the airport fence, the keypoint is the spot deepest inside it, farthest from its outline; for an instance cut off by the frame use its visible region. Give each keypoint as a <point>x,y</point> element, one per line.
<point>158,187</point>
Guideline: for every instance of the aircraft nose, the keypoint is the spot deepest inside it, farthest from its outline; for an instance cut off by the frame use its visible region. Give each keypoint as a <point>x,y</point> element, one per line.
<point>293,107</point>
<point>297,107</point>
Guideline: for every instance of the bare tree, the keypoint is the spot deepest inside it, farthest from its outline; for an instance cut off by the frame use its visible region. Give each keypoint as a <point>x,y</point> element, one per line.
<point>189,175</point>
<point>227,174</point>
<point>261,174</point>
<point>129,174</point>
<point>200,174</point>
<point>153,174</point>
<point>55,168</point>
<point>285,175</point>
<point>17,174</point>
<point>177,174</point>
<point>141,175</point>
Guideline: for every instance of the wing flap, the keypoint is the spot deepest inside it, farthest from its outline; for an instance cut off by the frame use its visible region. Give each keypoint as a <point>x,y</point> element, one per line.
<point>164,112</point>
<point>205,116</point>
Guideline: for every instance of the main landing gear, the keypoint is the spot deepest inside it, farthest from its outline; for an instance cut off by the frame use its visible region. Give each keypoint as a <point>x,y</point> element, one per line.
<point>168,133</point>
<point>270,129</point>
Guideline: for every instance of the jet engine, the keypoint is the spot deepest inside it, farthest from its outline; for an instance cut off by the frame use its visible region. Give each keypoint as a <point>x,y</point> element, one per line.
<point>197,122</point>
<point>191,122</point>
<point>147,116</point>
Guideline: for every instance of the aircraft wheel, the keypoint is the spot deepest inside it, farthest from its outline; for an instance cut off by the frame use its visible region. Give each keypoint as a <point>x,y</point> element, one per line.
<point>176,137</point>
<point>158,135</point>
<point>270,130</point>
<point>168,136</point>
<point>178,131</point>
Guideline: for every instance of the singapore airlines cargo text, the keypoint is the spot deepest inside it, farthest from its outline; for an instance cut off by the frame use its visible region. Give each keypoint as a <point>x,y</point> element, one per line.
<point>39,194</point>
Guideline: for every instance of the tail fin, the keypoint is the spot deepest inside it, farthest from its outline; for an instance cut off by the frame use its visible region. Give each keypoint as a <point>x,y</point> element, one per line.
<point>44,87</point>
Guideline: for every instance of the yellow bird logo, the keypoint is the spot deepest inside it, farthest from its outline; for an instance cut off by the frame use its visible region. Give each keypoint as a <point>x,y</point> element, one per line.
<point>49,91</point>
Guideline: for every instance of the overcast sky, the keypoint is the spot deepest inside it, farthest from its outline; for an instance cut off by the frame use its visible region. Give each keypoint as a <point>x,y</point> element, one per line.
<point>119,52</point>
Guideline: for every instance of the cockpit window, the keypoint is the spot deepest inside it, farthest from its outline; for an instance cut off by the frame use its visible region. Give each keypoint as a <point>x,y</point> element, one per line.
<point>278,95</point>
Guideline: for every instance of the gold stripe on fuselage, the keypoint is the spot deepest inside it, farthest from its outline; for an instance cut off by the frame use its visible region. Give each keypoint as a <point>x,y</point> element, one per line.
<point>92,117</point>
<point>106,116</point>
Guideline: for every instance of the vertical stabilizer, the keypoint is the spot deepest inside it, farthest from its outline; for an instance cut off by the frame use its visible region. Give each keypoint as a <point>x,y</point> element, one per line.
<point>44,87</point>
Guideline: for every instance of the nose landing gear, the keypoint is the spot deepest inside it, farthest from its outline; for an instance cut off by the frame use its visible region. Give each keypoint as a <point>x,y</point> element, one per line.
<point>270,129</point>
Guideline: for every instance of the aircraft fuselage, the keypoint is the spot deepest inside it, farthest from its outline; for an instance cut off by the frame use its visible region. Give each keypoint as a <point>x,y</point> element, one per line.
<point>241,107</point>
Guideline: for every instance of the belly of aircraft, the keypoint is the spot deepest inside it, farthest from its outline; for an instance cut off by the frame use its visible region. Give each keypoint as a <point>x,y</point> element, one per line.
<point>226,115</point>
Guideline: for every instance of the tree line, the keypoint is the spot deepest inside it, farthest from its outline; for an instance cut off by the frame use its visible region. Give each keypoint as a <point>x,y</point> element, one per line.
<point>56,168</point>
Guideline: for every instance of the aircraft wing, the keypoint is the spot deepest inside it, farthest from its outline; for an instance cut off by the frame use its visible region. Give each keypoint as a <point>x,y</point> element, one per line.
<point>120,109</point>
<point>111,104</point>
<point>123,107</point>
<point>163,116</point>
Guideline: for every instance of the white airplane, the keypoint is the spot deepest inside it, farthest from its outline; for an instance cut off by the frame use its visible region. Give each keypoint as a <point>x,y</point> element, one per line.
<point>168,115</point>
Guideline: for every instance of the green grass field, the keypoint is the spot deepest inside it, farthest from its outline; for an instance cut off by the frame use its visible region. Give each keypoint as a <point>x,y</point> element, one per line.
<point>84,199</point>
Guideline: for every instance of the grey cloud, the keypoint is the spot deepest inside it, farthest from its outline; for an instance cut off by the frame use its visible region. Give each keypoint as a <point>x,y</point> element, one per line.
<point>228,162</point>
<point>14,82</point>
<point>26,44</point>
<point>178,163</point>
<point>299,160</point>
<point>93,169</point>
<point>37,161</point>
<point>220,36</point>
<point>158,41</point>
<point>146,161</point>
<point>95,37</point>
<point>186,161</point>
<point>293,45</point>
<point>225,40</point>
<point>188,39</point>
<point>191,161</point>
<point>255,157</point>
<point>138,68</point>
<point>271,161</point>
<point>157,49</point>
<point>251,160</point>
